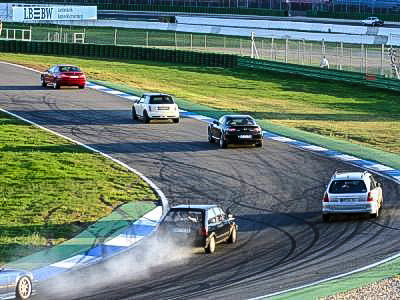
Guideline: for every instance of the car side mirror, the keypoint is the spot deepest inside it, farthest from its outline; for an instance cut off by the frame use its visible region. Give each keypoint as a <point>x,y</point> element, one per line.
<point>230,216</point>
<point>379,184</point>
<point>215,122</point>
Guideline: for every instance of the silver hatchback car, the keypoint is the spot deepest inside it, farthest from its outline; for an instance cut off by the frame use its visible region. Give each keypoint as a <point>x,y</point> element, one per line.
<point>352,192</point>
<point>15,284</point>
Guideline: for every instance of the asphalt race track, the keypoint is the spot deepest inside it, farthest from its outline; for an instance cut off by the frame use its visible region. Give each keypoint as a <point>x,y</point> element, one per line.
<point>275,193</point>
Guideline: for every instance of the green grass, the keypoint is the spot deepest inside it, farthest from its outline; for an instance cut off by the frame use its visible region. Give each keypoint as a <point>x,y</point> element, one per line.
<point>357,114</point>
<point>52,189</point>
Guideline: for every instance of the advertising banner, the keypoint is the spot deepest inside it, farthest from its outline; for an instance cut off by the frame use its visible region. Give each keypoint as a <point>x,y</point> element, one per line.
<point>54,13</point>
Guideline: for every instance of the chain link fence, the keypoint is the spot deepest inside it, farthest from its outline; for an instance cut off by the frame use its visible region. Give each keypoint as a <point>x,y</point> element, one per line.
<point>368,59</point>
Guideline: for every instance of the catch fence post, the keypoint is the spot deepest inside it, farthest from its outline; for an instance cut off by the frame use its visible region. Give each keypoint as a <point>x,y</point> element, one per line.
<point>382,58</point>
<point>286,50</point>
<point>341,56</point>
<point>272,48</point>
<point>362,58</point>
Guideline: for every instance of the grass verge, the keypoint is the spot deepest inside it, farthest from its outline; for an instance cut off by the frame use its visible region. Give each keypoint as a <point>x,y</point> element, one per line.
<point>52,189</point>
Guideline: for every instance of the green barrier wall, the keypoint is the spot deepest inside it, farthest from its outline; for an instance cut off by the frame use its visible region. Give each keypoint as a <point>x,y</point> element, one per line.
<point>121,52</point>
<point>353,15</point>
<point>195,58</point>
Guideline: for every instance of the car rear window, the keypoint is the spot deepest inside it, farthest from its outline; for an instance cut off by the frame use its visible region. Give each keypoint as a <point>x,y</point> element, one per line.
<point>347,187</point>
<point>240,121</point>
<point>69,69</point>
<point>161,100</point>
<point>184,216</point>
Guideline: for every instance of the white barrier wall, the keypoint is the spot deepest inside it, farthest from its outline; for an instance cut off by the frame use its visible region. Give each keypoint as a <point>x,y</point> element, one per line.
<point>237,31</point>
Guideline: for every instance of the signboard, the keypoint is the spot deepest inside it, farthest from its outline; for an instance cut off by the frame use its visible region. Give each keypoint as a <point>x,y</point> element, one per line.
<point>54,13</point>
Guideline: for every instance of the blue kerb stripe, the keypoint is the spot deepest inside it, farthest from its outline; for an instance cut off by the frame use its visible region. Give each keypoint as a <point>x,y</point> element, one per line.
<point>46,272</point>
<point>392,172</point>
<point>104,250</point>
<point>139,230</point>
<point>298,143</point>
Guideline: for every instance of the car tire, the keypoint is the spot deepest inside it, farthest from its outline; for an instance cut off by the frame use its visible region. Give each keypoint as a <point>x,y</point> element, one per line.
<point>222,143</point>
<point>211,246</point>
<point>211,140</point>
<point>81,86</point>
<point>44,84</point>
<point>326,218</point>
<point>375,215</point>
<point>23,289</point>
<point>134,115</point>
<point>176,120</point>
<point>233,237</point>
<point>259,144</point>
<point>146,117</point>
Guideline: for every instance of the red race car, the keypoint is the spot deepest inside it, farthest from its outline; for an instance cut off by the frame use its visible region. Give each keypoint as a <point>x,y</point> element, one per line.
<point>66,75</point>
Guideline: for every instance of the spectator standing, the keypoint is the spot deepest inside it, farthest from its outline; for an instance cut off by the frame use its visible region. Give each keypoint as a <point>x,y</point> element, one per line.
<point>324,63</point>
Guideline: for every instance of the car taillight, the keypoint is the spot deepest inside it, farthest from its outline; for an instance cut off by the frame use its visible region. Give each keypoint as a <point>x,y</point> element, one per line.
<point>82,76</point>
<point>203,231</point>
<point>370,199</point>
<point>326,197</point>
<point>176,107</point>
<point>231,129</point>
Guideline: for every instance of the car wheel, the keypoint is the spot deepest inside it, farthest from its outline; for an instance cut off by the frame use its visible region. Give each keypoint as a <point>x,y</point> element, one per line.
<point>176,120</point>
<point>233,237</point>
<point>222,142</point>
<point>81,86</point>
<point>211,140</point>
<point>44,84</point>
<point>326,217</point>
<point>259,144</point>
<point>211,246</point>
<point>24,288</point>
<point>56,85</point>
<point>134,115</point>
<point>146,117</point>
<point>375,215</point>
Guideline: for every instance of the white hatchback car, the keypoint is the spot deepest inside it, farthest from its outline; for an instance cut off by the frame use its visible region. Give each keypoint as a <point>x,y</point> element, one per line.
<point>155,106</point>
<point>352,192</point>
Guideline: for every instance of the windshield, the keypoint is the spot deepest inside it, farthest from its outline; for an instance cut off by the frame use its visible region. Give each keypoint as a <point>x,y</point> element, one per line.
<point>184,216</point>
<point>161,100</point>
<point>69,69</point>
<point>240,121</point>
<point>347,187</point>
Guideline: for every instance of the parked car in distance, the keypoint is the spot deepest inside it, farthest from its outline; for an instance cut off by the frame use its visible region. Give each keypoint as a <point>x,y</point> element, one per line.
<point>352,192</point>
<point>199,226</point>
<point>235,129</point>
<point>63,75</point>
<point>155,106</point>
<point>15,284</point>
<point>372,21</point>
